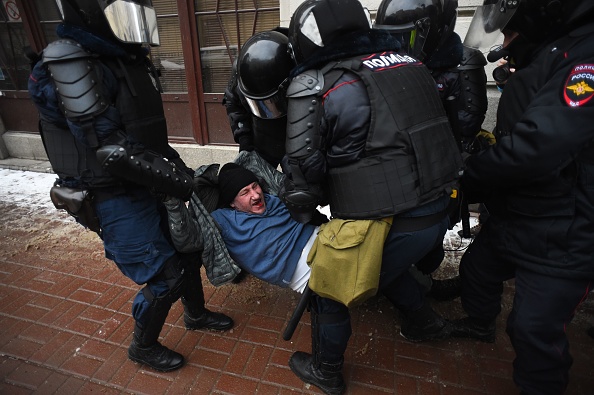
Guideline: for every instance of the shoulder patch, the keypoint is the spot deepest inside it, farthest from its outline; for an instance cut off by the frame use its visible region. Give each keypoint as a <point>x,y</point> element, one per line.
<point>579,87</point>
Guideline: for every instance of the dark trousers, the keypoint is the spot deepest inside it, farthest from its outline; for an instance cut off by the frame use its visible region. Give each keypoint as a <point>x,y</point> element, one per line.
<point>543,306</point>
<point>332,330</point>
<point>136,238</point>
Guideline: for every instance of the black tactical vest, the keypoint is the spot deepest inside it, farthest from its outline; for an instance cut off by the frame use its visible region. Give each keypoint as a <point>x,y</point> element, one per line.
<point>411,156</point>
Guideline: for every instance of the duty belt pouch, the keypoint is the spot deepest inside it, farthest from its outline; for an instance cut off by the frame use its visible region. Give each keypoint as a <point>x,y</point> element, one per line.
<point>77,202</point>
<point>346,259</point>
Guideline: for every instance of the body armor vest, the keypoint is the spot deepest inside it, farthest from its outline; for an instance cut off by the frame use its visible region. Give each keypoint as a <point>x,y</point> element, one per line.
<point>411,156</point>
<point>138,101</point>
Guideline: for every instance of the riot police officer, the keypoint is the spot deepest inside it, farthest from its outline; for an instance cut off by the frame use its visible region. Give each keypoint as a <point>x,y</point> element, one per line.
<point>104,130</point>
<point>426,30</point>
<point>537,181</point>
<point>352,125</point>
<point>255,97</point>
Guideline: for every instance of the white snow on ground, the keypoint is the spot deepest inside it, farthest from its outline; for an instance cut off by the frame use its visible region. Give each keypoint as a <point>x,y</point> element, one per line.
<point>26,188</point>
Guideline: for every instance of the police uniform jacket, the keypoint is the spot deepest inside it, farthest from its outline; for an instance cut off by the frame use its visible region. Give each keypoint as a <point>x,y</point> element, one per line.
<point>538,180</point>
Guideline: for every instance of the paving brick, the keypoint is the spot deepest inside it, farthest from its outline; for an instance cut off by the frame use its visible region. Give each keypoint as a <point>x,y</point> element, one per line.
<point>50,348</point>
<point>267,389</point>
<point>20,347</point>
<point>216,341</point>
<point>281,357</point>
<point>66,351</point>
<point>84,326</point>
<point>29,376</point>
<point>120,332</point>
<point>96,349</point>
<point>114,363</point>
<point>358,389</point>
<point>94,388</point>
<point>258,362</point>
<point>184,380</point>
<point>71,313</point>
<point>208,359</point>
<point>146,381</point>
<point>259,336</point>
<point>13,389</point>
<point>11,327</point>
<point>66,286</point>
<point>204,383</point>
<point>40,334</point>
<point>405,385</point>
<point>373,377</point>
<point>282,374</point>
<point>72,385</point>
<point>43,301</point>
<point>236,364</point>
<point>84,296</point>
<point>236,385</point>
<point>53,382</point>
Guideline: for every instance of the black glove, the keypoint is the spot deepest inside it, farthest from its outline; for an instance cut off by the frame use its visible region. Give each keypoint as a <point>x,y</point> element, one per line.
<point>318,218</point>
<point>181,166</point>
<point>246,143</point>
<point>301,203</point>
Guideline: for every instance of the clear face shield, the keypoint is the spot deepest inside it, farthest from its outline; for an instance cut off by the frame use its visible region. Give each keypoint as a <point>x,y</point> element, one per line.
<point>489,21</point>
<point>412,36</point>
<point>270,107</point>
<point>133,22</point>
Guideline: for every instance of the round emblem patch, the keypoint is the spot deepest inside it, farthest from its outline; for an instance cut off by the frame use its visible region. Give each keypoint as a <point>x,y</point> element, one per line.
<point>579,87</point>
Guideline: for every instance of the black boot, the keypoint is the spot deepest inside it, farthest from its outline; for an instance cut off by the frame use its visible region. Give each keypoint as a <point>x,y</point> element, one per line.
<point>447,289</point>
<point>474,328</point>
<point>591,332</point>
<point>326,376</point>
<point>196,316</point>
<point>208,320</point>
<point>424,324</point>
<point>147,350</point>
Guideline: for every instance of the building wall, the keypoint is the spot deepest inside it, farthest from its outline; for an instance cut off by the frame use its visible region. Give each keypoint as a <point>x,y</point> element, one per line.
<point>26,143</point>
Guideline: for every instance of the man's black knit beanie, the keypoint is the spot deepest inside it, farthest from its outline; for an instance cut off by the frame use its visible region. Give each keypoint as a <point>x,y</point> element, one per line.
<point>232,179</point>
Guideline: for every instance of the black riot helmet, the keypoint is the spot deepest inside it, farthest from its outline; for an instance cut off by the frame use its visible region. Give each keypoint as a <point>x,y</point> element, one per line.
<point>264,64</point>
<point>128,21</point>
<point>421,25</point>
<point>534,20</point>
<point>317,23</point>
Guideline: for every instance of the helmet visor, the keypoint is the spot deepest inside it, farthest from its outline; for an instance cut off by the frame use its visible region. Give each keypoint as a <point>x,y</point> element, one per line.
<point>488,22</point>
<point>133,22</point>
<point>272,107</point>
<point>412,37</point>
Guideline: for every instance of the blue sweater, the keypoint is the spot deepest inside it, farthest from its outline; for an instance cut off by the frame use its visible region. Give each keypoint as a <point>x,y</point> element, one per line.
<point>267,245</point>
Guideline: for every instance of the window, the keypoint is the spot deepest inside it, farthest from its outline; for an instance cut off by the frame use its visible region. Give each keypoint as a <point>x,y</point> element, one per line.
<point>168,57</point>
<point>14,43</point>
<point>223,26</point>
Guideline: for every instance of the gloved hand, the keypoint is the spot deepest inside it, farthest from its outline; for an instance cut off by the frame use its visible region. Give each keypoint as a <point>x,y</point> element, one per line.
<point>481,141</point>
<point>180,165</point>
<point>246,143</point>
<point>301,203</point>
<point>318,218</point>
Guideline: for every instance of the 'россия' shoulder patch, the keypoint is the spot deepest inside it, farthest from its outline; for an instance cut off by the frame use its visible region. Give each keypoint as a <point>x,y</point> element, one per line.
<point>579,87</point>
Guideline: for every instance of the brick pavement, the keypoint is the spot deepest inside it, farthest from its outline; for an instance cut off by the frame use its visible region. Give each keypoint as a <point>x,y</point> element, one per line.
<point>65,327</point>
